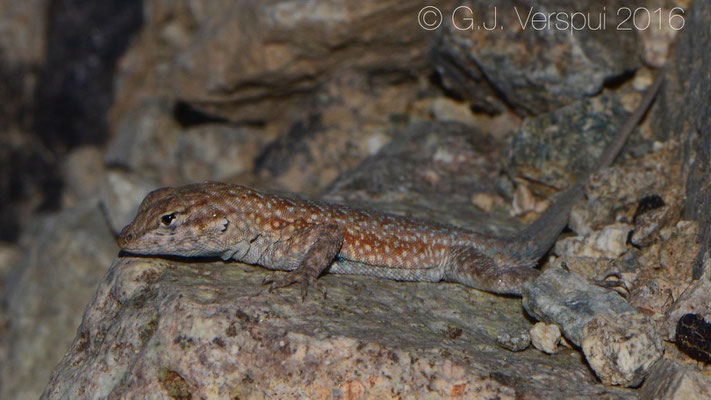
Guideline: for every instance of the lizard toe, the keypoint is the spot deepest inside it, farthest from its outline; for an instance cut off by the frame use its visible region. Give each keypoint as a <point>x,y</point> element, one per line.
<point>279,280</point>
<point>309,282</point>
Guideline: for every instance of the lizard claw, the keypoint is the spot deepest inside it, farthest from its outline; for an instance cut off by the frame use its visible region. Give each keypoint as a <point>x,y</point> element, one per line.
<point>618,285</point>
<point>287,279</point>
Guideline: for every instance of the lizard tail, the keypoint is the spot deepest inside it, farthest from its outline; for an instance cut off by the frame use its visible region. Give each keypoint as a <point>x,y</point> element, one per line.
<point>534,241</point>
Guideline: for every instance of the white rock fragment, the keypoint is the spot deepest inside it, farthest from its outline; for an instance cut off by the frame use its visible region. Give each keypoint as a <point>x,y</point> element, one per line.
<point>545,337</point>
<point>610,242</point>
<point>483,201</point>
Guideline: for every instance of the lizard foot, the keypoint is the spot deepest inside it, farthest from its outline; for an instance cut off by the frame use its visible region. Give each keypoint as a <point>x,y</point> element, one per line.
<point>618,285</point>
<point>281,280</point>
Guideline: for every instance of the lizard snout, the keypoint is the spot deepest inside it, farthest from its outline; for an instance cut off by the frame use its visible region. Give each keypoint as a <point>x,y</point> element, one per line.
<point>126,237</point>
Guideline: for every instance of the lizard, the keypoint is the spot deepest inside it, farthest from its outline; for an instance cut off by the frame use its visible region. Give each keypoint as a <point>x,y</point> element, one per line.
<point>307,238</point>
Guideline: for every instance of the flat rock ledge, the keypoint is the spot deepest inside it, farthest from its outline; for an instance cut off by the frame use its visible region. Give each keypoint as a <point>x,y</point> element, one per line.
<point>160,329</point>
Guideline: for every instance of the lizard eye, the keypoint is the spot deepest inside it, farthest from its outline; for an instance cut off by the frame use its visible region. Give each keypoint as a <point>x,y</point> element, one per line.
<point>167,219</point>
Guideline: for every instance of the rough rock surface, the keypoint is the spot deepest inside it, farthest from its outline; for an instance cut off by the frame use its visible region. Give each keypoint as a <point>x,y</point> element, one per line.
<point>545,337</point>
<point>696,299</point>
<point>671,380</point>
<point>566,299</point>
<point>51,285</point>
<point>621,348</point>
<point>573,137</point>
<point>251,60</point>
<point>532,70</point>
<point>620,344</point>
<point>686,103</point>
<point>160,329</point>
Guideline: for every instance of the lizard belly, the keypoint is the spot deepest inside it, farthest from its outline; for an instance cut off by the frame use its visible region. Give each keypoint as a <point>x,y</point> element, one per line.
<point>430,273</point>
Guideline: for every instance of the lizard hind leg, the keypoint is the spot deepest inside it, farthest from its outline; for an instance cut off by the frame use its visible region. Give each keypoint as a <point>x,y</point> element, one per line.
<point>320,244</point>
<point>472,268</point>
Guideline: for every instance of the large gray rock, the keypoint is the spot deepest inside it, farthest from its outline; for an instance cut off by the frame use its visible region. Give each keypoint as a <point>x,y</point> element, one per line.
<point>250,61</point>
<point>557,147</point>
<point>530,69</point>
<point>158,329</point>
<point>65,256</point>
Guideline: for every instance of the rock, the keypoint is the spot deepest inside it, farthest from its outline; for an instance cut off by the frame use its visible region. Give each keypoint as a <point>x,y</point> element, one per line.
<point>619,343</point>
<point>23,30</point>
<point>83,172</point>
<point>299,141</point>
<point>670,380</point>
<point>28,179</point>
<point>410,174</point>
<point>449,110</point>
<point>483,201</point>
<point>657,42</point>
<point>649,220</point>
<point>517,341</point>
<point>146,140</point>
<point>248,62</point>
<point>610,242</point>
<point>687,117</point>
<point>217,152</point>
<point>153,146</point>
<point>556,147</point>
<point>696,299</point>
<point>693,337</point>
<point>621,348</point>
<point>523,200</point>
<point>564,298</point>
<point>158,328</point>
<point>674,254</point>
<point>613,195</point>
<point>533,70</point>
<point>64,257</point>
<point>545,337</point>
<point>121,194</point>
<point>10,255</point>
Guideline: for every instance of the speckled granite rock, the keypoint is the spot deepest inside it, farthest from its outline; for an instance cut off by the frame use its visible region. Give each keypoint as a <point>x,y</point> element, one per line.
<point>158,329</point>
<point>620,344</point>
<point>671,380</point>
<point>556,147</point>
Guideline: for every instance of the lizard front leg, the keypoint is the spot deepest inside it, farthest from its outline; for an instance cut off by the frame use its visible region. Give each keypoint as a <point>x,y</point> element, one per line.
<point>319,245</point>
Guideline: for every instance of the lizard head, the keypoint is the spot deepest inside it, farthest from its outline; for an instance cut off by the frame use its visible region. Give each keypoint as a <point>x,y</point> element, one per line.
<point>180,221</point>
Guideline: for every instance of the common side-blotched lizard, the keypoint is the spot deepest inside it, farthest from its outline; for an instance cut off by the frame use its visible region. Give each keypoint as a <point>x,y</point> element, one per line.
<point>309,238</point>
